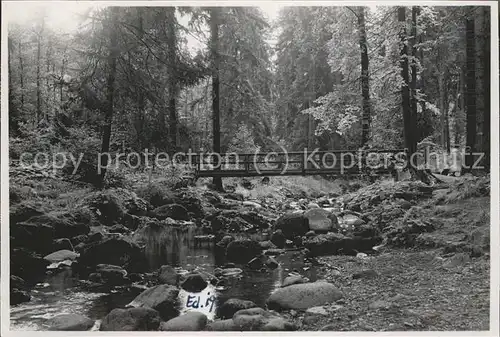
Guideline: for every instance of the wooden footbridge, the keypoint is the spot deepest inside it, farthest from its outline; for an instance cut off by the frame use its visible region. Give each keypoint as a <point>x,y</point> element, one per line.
<point>335,163</point>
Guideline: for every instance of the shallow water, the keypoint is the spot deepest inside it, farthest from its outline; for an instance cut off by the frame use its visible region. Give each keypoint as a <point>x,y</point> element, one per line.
<point>173,246</point>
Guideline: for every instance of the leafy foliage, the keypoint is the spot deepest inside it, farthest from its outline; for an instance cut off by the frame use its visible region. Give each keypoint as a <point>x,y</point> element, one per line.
<point>302,91</point>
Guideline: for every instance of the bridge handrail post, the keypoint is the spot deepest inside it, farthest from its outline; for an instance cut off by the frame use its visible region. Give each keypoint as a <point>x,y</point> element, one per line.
<point>304,163</point>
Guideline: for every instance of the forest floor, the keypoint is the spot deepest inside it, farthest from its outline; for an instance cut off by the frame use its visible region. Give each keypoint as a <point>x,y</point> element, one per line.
<point>434,288</point>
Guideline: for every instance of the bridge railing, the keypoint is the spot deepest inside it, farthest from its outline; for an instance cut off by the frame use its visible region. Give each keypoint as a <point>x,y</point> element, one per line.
<point>296,163</point>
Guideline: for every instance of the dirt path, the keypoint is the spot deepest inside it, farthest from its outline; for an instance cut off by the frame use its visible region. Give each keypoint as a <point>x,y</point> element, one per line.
<point>413,291</point>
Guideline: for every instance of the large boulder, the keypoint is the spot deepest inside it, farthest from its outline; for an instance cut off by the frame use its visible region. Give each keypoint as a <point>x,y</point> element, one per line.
<point>239,225</point>
<point>114,251</point>
<point>255,219</point>
<point>293,224</point>
<point>162,298</point>
<point>168,275</point>
<point>79,219</point>
<point>257,262</point>
<point>80,239</point>
<point>27,265</point>
<point>190,200</point>
<point>19,296</point>
<point>132,222</point>
<point>320,220</point>
<point>246,217</point>
<point>234,196</point>
<point>134,205</point>
<point>37,237</point>
<point>293,279</point>
<point>63,243</point>
<point>119,229</point>
<point>365,273</point>
<point>61,255</point>
<point>193,282</point>
<point>131,319</point>
<point>70,322</point>
<point>227,272</point>
<point>174,211</point>
<point>303,296</point>
<point>23,211</point>
<point>242,251</point>
<point>274,252</point>
<point>351,221</point>
<point>231,306</point>
<point>409,233</point>
<point>278,238</point>
<point>334,243</point>
<point>271,262</point>
<point>222,325</point>
<point>211,197</point>
<point>95,237</point>
<point>251,204</point>
<point>267,245</point>
<point>366,231</point>
<point>225,241</point>
<point>219,223</point>
<point>231,221</point>
<point>112,275</point>
<point>258,319</point>
<point>191,321</point>
<point>16,282</point>
<point>39,232</point>
<point>106,205</point>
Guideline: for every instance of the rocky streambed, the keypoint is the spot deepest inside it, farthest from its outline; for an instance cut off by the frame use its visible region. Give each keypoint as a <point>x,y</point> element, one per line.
<point>194,259</point>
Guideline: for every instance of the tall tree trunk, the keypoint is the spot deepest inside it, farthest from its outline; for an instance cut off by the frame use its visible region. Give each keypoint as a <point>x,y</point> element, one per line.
<point>460,129</point>
<point>38,80</point>
<point>110,90</point>
<point>405,90</point>
<point>141,102</point>
<point>413,83</point>
<point>310,128</point>
<point>365,77</point>
<point>423,132</point>
<point>486,85</point>
<point>13,111</point>
<point>310,118</point>
<point>9,66</point>
<point>47,83</point>
<point>54,93</point>
<point>470,96</point>
<point>21,74</point>
<point>63,69</point>
<point>172,77</point>
<point>446,106</point>
<point>214,34</point>
<point>442,107</point>
<point>160,135</point>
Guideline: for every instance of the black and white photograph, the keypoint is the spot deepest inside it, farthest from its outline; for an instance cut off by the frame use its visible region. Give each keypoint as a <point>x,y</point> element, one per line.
<point>254,166</point>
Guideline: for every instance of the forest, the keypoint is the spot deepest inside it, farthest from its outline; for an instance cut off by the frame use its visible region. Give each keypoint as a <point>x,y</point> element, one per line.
<point>130,80</point>
<point>333,78</point>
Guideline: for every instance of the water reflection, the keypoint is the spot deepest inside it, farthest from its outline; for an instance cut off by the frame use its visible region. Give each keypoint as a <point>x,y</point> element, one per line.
<point>163,245</point>
<point>174,246</point>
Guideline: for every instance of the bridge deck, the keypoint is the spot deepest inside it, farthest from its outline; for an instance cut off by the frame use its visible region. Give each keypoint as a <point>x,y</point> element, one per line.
<point>269,173</point>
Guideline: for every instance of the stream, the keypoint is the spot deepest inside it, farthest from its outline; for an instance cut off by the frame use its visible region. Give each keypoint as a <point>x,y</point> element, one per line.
<point>60,293</point>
